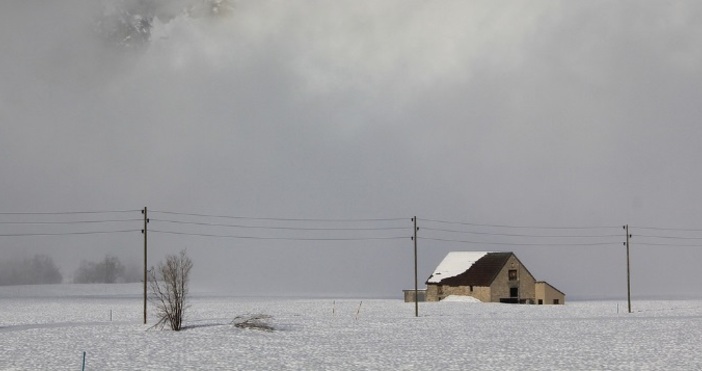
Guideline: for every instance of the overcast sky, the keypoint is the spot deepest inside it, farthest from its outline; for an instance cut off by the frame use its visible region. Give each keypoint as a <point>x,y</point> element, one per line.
<point>533,114</point>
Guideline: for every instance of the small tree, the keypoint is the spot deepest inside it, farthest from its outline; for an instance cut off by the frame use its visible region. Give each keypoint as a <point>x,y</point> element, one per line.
<point>169,289</point>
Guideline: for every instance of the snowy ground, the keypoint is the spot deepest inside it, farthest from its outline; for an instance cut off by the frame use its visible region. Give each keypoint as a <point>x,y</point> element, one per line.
<point>49,328</point>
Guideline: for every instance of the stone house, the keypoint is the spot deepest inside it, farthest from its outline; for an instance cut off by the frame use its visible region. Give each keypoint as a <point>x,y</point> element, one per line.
<point>489,277</point>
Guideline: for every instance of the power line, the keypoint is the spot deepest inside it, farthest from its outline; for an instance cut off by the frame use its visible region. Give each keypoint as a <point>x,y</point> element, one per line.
<point>70,212</point>
<point>668,244</point>
<point>348,228</point>
<point>669,237</point>
<point>71,221</point>
<point>277,227</point>
<point>280,219</point>
<point>520,244</point>
<point>667,229</point>
<point>67,233</point>
<point>516,226</point>
<point>517,235</point>
<point>280,238</point>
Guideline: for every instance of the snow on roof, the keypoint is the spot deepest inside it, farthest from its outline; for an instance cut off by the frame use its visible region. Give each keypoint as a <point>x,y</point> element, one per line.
<point>455,263</point>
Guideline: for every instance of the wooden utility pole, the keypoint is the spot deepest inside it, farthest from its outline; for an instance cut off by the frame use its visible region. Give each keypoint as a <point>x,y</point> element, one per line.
<point>628,268</point>
<point>416,288</point>
<point>145,232</point>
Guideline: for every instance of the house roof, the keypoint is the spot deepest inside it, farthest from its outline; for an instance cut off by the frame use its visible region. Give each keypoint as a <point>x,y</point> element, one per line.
<point>469,268</point>
<point>455,263</point>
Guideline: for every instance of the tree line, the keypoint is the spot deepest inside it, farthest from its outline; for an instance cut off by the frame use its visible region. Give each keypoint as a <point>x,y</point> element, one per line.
<point>108,270</point>
<point>41,269</point>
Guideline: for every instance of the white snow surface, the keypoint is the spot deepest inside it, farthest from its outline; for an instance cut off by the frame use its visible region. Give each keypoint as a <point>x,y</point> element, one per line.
<point>461,299</point>
<point>50,328</point>
<point>455,263</point>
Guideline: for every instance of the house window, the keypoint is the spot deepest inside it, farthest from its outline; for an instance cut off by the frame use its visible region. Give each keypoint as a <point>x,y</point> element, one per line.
<point>512,274</point>
<point>555,301</point>
<point>471,288</point>
<point>541,301</point>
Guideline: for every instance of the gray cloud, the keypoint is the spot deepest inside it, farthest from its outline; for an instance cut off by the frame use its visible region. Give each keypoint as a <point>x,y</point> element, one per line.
<point>551,114</point>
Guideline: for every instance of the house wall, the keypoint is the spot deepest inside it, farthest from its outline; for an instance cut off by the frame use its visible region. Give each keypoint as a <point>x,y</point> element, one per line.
<point>436,292</point>
<point>481,293</point>
<point>547,294</point>
<point>500,287</point>
<point>432,293</point>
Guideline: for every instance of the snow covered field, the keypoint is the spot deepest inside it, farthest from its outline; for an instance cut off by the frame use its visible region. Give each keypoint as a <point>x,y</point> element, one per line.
<point>49,328</point>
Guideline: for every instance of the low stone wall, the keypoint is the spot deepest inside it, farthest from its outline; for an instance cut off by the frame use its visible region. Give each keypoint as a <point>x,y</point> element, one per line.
<point>409,295</point>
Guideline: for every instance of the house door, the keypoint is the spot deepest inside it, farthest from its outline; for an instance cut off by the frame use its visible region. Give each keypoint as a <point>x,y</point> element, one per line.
<point>514,292</point>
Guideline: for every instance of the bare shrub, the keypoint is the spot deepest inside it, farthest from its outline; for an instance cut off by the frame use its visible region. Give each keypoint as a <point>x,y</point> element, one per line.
<point>169,290</point>
<point>253,321</point>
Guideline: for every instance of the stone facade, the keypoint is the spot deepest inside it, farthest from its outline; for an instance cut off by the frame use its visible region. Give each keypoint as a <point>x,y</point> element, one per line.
<point>504,285</point>
<point>547,294</point>
<point>409,295</point>
<point>437,292</point>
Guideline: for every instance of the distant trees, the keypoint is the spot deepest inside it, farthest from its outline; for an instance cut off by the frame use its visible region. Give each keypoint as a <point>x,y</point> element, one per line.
<point>39,269</point>
<point>169,289</point>
<point>108,270</point>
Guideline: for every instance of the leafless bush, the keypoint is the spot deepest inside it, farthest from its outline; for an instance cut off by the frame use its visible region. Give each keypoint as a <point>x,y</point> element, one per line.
<point>169,290</point>
<point>253,321</point>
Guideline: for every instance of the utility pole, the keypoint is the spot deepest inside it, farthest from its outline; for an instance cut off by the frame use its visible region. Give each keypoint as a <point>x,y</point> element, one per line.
<point>145,232</point>
<point>416,288</point>
<point>628,268</point>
